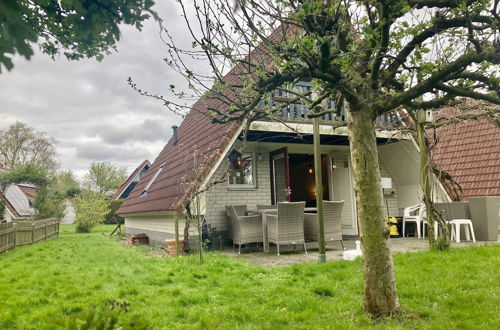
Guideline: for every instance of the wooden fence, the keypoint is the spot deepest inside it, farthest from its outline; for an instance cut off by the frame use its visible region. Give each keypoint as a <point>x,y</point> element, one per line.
<point>17,233</point>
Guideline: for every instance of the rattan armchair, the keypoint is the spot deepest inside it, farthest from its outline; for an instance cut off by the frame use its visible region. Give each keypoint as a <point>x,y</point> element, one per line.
<point>246,228</point>
<point>332,221</point>
<point>241,210</point>
<point>287,227</point>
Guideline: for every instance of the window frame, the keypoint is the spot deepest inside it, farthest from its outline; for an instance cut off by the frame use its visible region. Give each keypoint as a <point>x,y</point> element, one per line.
<point>245,186</point>
<point>146,188</point>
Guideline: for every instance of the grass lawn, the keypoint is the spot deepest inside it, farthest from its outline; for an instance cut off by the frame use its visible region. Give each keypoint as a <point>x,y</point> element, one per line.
<point>42,285</point>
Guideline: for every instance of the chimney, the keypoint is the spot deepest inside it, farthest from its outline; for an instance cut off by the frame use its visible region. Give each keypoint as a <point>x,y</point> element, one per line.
<point>174,136</point>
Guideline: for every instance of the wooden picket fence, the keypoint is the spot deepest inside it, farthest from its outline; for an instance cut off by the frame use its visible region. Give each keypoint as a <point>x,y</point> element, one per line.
<point>18,233</point>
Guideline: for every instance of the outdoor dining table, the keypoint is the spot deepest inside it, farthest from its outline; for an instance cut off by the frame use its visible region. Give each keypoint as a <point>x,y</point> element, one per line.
<point>263,215</point>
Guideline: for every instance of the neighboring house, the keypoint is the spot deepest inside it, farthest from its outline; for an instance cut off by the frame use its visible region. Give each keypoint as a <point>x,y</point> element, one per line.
<point>126,188</point>
<point>69,213</point>
<point>468,150</point>
<point>273,165</point>
<point>18,200</point>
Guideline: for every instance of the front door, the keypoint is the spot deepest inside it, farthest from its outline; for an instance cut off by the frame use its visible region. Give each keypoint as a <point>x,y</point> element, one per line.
<point>280,176</point>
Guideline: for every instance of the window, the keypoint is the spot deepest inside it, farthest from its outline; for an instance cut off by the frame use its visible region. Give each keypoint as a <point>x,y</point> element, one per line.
<point>145,191</point>
<point>242,170</point>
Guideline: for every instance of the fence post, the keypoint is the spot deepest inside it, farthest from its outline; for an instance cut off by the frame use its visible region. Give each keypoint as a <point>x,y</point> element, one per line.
<point>15,234</point>
<point>45,222</point>
<point>32,233</point>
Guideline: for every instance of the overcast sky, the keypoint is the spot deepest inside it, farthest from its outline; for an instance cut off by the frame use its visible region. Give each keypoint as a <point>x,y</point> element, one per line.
<point>88,107</point>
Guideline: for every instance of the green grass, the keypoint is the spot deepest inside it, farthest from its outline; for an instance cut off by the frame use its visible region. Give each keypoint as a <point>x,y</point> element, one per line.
<point>42,285</point>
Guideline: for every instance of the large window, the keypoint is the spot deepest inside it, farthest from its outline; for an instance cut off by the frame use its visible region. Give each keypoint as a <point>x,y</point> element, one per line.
<point>242,170</point>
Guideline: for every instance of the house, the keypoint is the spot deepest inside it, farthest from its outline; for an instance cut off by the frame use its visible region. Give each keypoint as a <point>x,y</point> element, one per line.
<point>272,163</point>
<point>18,200</point>
<point>468,150</point>
<point>126,188</point>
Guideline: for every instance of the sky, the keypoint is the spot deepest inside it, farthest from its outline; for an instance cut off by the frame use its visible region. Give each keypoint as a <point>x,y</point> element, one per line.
<point>88,107</point>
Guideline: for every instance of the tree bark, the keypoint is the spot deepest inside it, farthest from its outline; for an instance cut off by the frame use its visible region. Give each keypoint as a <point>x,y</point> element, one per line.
<point>380,286</point>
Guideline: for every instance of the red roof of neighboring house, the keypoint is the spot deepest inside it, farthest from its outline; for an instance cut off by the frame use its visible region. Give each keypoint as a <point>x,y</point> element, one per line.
<point>9,206</point>
<point>29,191</point>
<point>127,182</point>
<point>469,150</point>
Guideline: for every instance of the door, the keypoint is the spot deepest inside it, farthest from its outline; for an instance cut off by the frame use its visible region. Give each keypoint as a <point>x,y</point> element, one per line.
<point>342,189</point>
<point>280,176</point>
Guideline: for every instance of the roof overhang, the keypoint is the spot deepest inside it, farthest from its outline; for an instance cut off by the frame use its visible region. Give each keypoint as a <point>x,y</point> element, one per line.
<point>266,131</point>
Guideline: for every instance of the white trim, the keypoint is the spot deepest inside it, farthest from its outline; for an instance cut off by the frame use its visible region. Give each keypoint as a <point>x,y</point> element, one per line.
<point>305,128</point>
<point>145,190</point>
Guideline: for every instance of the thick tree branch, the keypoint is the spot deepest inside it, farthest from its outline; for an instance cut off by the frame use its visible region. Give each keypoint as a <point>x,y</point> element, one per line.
<point>491,55</point>
<point>457,91</point>
<point>438,27</point>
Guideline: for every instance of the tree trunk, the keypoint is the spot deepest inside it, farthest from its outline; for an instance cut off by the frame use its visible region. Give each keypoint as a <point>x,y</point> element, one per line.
<point>380,285</point>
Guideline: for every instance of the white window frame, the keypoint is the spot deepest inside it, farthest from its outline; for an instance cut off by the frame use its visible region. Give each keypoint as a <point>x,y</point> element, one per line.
<point>236,186</point>
<point>145,190</point>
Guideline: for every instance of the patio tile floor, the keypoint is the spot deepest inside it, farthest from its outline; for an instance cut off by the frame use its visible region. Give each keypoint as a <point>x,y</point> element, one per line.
<point>334,251</point>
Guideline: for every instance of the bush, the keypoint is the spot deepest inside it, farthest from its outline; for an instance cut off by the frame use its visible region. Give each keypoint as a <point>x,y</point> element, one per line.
<point>112,218</point>
<point>90,210</point>
<point>49,204</point>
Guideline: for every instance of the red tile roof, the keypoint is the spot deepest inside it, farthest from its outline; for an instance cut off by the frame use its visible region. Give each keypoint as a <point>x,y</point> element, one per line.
<point>9,206</point>
<point>469,150</point>
<point>200,144</point>
<point>127,182</point>
<point>29,191</point>
<point>196,135</point>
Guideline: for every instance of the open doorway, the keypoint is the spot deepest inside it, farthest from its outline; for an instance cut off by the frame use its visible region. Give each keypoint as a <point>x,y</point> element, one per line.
<point>302,180</point>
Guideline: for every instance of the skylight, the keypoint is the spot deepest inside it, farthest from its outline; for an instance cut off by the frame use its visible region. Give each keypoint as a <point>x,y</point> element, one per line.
<point>145,191</point>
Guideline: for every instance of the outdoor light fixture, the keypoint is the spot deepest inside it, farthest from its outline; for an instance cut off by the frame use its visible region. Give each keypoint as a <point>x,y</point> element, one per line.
<point>309,169</point>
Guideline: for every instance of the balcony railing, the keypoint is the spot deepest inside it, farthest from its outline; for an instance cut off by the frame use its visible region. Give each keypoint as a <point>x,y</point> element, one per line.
<point>299,112</point>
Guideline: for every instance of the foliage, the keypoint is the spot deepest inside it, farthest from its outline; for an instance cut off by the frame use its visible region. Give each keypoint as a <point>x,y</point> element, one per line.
<point>113,218</point>
<point>2,209</point>
<point>66,184</point>
<point>90,210</point>
<point>109,317</point>
<point>104,177</point>
<point>38,286</point>
<point>49,204</point>
<point>29,173</point>
<point>22,145</point>
<point>77,29</point>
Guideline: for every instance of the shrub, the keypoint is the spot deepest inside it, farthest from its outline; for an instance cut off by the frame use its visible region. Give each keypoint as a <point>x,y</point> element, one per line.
<point>113,218</point>
<point>90,210</point>
<point>49,204</point>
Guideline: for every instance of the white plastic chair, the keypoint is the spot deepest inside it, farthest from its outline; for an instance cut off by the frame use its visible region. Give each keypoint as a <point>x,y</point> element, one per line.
<point>416,214</point>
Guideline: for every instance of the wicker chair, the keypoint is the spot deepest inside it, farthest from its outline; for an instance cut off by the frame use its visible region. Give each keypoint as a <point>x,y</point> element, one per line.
<point>332,220</point>
<point>287,227</point>
<point>241,210</point>
<point>246,228</point>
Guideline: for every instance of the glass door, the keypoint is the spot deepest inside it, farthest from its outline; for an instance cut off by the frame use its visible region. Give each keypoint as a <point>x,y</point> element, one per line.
<point>280,176</point>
